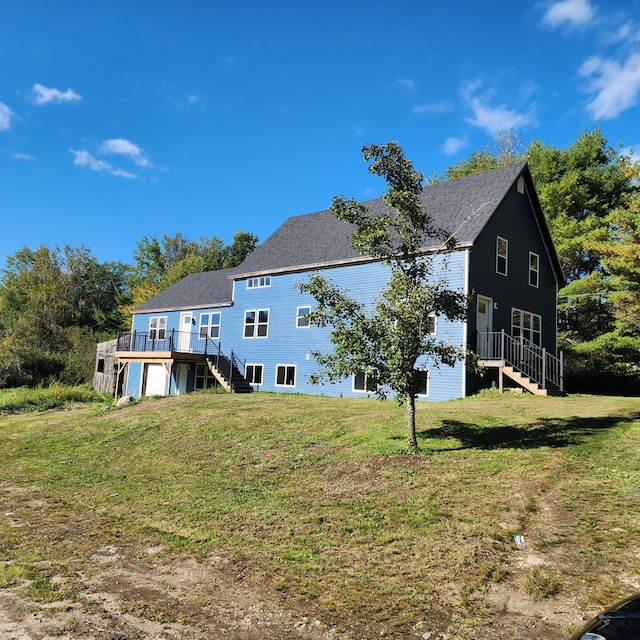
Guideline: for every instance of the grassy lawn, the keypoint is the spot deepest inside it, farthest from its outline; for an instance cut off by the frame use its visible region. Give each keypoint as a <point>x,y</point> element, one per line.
<point>319,501</point>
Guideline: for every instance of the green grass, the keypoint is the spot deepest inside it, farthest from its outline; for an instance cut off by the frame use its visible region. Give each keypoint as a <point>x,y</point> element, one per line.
<point>54,396</point>
<point>318,498</point>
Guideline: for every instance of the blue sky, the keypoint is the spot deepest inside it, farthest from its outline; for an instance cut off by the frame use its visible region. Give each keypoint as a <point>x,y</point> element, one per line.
<point>126,118</point>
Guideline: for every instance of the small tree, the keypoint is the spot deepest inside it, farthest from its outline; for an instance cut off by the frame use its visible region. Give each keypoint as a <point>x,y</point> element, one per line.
<point>386,342</point>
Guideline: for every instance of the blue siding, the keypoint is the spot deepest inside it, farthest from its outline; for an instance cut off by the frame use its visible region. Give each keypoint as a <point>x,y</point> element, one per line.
<point>289,346</point>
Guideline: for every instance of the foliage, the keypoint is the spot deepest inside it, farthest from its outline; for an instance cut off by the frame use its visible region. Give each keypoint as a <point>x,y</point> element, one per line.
<point>55,304</point>
<point>161,263</point>
<point>385,342</point>
<point>579,188</point>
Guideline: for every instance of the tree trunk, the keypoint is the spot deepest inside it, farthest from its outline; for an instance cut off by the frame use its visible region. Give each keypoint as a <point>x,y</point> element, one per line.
<point>411,420</point>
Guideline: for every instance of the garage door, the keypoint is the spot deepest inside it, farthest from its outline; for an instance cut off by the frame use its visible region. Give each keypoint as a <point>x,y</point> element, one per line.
<point>156,380</point>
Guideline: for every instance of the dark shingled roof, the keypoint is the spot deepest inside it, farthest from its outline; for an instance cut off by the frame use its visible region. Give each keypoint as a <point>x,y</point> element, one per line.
<point>462,206</point>
<point>206,289</point>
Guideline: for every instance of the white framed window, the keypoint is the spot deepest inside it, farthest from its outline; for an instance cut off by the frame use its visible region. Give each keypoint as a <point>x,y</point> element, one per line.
<point>362,383</point>
<point>534,262</point>
<point>210,325</point>
<point>432,324</point>
<point>527,326</point>
<point>520,185</point>
<point>256,323</point>
<point>286,375</point>
<point>302,322</point>
<point>158,327</point>
<point>259,282</point>
<point>253,374</point>
<point>204,378</point>
<point>422,382</point>
<point>502,255</point>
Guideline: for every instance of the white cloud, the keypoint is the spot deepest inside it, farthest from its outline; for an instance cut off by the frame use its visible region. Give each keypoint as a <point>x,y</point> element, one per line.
<point>5,117</point>
<point>493,118</point>
<point>46,95</point>
<point>83,158</point>
<point>616,85</point>
<point>573,12</point>
<point>120,146</point>
<point>433,107</point>
<point>22,156</point>
<point>452,145</point>
<point>406,83</point>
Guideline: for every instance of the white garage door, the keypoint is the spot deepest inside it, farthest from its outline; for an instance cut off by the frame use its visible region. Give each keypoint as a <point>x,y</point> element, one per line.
<point>156,380</point>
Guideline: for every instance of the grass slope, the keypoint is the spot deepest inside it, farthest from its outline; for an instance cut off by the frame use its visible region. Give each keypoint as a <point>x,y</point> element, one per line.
<point>316,498</point>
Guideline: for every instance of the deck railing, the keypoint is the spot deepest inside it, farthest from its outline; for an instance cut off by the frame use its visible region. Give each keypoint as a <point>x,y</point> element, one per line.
<point>179,342</point>
<point>535,362</point>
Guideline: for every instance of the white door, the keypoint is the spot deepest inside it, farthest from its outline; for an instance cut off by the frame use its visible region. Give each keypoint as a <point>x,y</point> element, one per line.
<point>484,323</point>
<point>181,378</point>
<point>184,335</point>
<point>156,380</point>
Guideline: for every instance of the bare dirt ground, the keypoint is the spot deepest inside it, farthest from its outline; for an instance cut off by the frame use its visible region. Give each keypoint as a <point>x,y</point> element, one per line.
<point>127,593</point>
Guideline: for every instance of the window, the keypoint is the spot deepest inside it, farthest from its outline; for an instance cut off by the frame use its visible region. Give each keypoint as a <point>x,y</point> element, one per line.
<point>286,375</point>
<point>100,368</point>
<point>256,283</point>
<point>520,185</point>
<point>432,324</point>
<point>361,382</point>
<point>158,327</point>
<point>210,325</point>
<point>502,249</point>
<point>204,378</point>
<point>302,322</point>
<point>256,323</point>
<point>533,269</point>
<point>253,374</point>
<point>422,382</point>
<point>527,326</point>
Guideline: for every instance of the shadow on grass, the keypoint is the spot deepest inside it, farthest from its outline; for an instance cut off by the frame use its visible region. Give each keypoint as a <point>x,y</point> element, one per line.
<point>545,432</point>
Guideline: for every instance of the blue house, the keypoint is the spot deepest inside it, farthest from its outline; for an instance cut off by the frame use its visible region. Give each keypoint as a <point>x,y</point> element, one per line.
<point>246,329</point>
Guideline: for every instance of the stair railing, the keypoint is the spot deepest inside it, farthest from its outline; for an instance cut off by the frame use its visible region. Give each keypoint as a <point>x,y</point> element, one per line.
<point>522,354</point>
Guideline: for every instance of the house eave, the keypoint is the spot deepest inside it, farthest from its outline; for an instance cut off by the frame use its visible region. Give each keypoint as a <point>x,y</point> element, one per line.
<point>193,307</point>
<point>336,263</point>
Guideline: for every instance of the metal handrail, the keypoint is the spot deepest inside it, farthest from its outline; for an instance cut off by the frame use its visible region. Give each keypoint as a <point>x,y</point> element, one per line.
<point>534,361</point>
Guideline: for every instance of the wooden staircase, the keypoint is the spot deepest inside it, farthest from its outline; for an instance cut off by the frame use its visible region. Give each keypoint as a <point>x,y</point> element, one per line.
<point>227,373</point>
<point>526,383</point>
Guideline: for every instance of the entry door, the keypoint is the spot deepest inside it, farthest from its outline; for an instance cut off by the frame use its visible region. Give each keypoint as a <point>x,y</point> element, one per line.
<point>484,324</point>
<point>181,378</point>
<point>156,380</point>
<point>184,336</point>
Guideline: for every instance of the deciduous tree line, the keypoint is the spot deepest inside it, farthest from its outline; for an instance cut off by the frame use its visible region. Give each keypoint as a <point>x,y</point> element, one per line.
<point>57,303</point>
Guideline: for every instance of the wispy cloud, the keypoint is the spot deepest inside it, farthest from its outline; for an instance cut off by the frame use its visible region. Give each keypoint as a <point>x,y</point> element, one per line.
<point>46,95</point>
<point>5,117</point>
<point>433,107</point>
<point>493,118</point>
<point>22,156</point>
<point>407,83</point>
<point>121,146</point>
<point>452,145</point>
<point>571,12</point>
<point>83,158</point>
<point>616,85</point>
